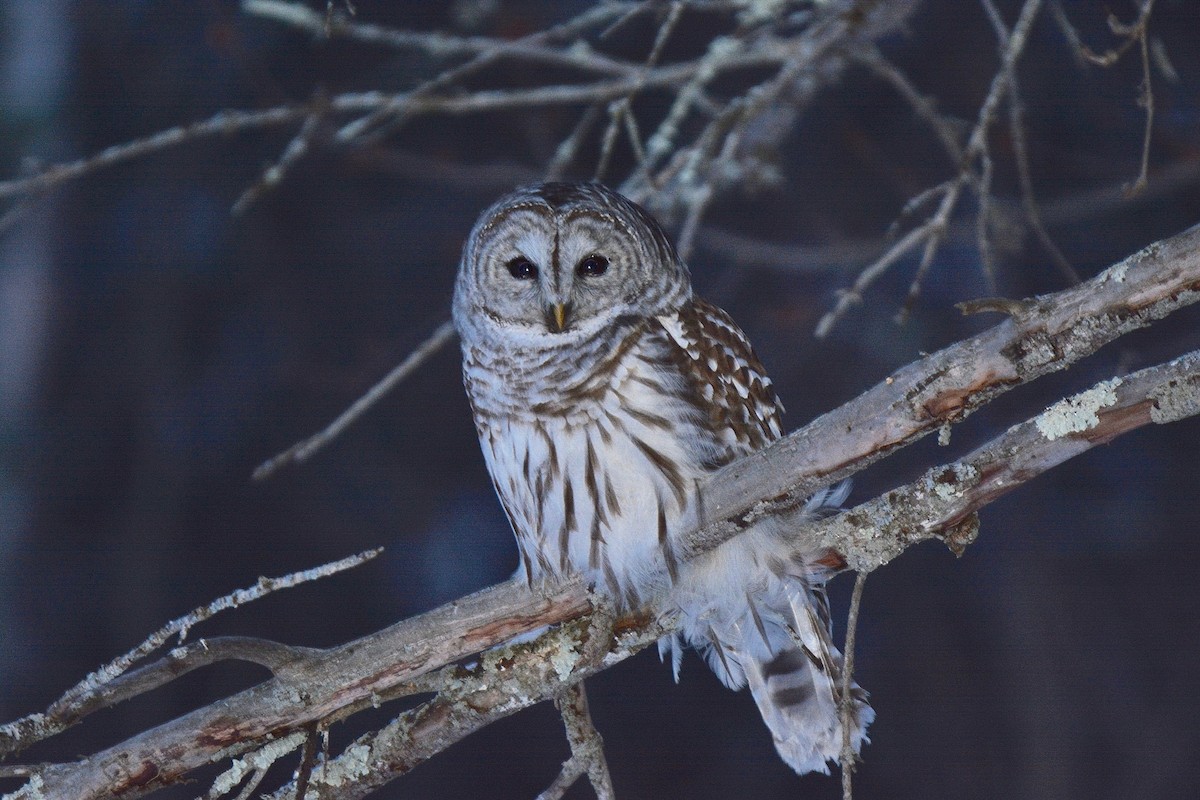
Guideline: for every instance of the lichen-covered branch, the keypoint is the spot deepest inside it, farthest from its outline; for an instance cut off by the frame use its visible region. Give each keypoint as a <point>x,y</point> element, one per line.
<point>1042,335</point>
<point>943,503</point>
<point>587,748</point>
<point>317,688</point>
<point>322,688</point>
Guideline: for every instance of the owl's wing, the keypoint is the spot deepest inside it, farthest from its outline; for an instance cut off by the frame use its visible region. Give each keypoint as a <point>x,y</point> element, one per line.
<point>728,381</point>
<point>776,637</point>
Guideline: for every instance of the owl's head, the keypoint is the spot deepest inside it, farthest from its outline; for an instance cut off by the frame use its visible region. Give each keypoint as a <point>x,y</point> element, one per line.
<point>565,260</point>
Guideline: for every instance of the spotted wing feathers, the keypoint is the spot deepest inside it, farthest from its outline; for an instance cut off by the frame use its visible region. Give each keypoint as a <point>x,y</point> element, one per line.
<point>729,381</point>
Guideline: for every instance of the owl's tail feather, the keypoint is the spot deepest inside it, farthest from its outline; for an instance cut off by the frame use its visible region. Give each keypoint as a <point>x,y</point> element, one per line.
<point>778,641</point>
<point>757,611</point>
<point>795,674</point>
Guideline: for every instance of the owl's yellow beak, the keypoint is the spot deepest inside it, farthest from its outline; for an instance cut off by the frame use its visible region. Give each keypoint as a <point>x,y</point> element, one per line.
<point>556,319</point>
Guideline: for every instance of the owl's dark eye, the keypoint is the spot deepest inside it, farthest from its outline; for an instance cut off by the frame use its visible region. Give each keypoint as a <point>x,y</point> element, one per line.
<point>592,266</point>
<point>522,269</point>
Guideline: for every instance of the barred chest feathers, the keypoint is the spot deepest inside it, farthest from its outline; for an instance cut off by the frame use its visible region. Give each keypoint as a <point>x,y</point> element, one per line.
<point>597,463</point>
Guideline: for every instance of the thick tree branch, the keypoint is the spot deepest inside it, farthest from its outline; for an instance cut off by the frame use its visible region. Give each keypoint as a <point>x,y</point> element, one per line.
<point>1042,335</point>
<point>324,688</point>
<point>1047,334</point>
<point>505,681</point>
<point>943,503</point>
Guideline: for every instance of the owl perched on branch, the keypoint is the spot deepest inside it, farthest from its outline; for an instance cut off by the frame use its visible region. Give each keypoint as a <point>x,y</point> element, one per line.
<point>603,393</point>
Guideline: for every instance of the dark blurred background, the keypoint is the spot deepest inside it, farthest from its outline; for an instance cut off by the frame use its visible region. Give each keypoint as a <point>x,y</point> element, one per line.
<point>154,348</point>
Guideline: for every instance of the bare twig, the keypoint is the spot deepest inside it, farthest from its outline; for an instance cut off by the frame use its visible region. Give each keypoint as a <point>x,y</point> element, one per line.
<point>375,124</point>
<point>587,748</point>
<point>849,758</point>
<point>1132,33</point>
<point>568,149</point>
<point>1070,33</point>
<point>1162,61</point>
<point>303,450</point>
<point>983,218</point>
<point>295,150</point>
<point>1033,214</point>
<point>622,110</point>
<point>378,113</point>
<point>925,107</point>
<point>228,122</point>
<point>440,45</point>
<point>983,228</point>
<point>1145,98</point>
<point>738,250</point>
<point>65,711</point>
<point>848,256</point>
<point>931,233</point>
<point>1128,34</point>
<point>853,296</point>
<point>221,123</point>
<point>714,161</point>
<point>484,181</point>
<point>937,229</point>
<point>1016,133</point>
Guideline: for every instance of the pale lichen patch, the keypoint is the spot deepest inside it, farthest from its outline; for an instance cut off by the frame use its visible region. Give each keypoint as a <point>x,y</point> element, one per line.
<point>564,659</point>
<point>950,482</point>
<point>1116,273</point>
<point>352,764</point>
<point>1079,413</point>
<point>260,759</point>
<point>1175,401</point>
<point>30,791</point>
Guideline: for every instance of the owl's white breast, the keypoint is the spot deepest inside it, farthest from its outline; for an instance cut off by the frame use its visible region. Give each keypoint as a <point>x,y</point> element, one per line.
<point>602,485</point>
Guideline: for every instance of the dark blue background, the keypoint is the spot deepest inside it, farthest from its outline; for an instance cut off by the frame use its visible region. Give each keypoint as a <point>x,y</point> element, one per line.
<point>154,349</point>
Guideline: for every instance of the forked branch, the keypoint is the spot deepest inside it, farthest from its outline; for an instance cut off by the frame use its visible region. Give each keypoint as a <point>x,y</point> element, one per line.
<point>318,688</point>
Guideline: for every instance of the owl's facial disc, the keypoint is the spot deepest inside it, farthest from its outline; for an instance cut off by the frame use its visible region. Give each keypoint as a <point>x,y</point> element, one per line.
<point>556,264</point>
<point>559,273</point>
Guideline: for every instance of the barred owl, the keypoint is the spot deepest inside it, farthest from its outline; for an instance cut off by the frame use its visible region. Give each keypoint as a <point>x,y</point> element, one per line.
<point>603,392</point>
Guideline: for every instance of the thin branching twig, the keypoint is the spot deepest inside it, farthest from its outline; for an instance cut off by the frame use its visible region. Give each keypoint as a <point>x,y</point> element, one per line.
<point>1132,33</point>
<point>974,170</point>
<point>60,715</point>
<point>621,111</point>
<point>303,450</point>
<point>296,149</point>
